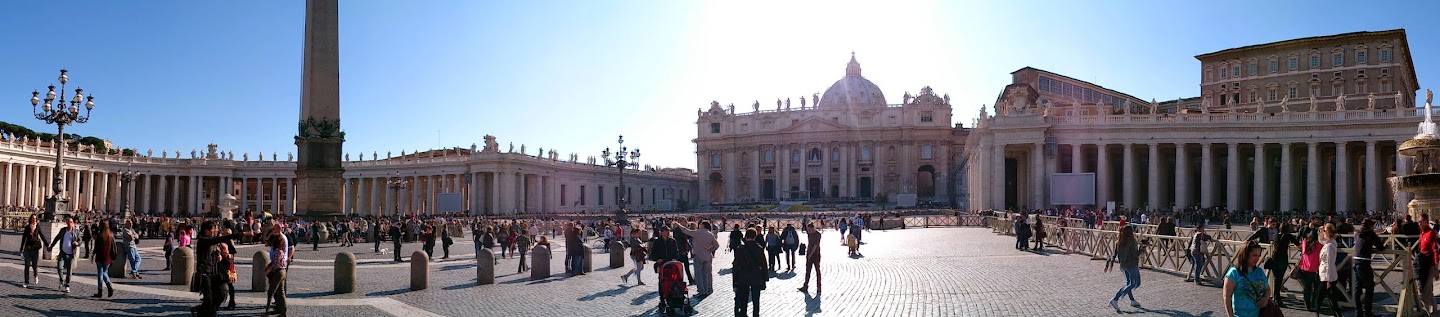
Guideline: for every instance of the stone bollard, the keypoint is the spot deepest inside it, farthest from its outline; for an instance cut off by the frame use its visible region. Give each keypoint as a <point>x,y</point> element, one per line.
<point>617,254</point>
<point>121,260</point>
<point>485,267</point>
<point>182,265</point>
<point>589,257</point>
<point>540,263</point>
<point>258,263</point>
<point>419,270</point>
<point>344,273</point>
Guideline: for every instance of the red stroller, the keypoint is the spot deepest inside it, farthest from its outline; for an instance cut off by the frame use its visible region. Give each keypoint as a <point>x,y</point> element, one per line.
<point>673,293</point>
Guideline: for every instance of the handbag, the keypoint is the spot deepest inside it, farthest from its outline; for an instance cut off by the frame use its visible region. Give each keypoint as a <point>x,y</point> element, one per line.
<point>1271,309</point>
<point>802,249</point>
<point>231,273</point>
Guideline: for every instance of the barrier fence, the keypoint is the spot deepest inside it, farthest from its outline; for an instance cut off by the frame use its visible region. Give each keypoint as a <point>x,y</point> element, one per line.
<point>1396,288</point>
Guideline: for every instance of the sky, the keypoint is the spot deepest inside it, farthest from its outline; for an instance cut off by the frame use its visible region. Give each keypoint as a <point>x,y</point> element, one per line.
<point>573,75</point>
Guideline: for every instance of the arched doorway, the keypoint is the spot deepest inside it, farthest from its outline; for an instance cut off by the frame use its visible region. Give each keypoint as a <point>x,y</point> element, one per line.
<point>925,181</point>
<point>717,187</point>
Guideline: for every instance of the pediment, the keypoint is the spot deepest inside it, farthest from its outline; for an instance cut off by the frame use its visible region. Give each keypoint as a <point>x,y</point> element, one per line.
<point>814,124</point>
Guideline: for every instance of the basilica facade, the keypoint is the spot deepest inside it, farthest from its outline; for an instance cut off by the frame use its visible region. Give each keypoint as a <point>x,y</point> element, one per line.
<point>847,144</point>
<point>1307,124</point>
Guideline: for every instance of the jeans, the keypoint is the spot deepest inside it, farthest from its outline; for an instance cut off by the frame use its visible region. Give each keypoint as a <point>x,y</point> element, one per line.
<point>276,290</point>
<point>1277,282</point>
<point>744,295</point>
<point>1197,262</point>
<point>1330,291</point>
<point>1310,286</point>
<point>813,260</point>
<point>523,267</point>
<point>1132,281</point>
<point>31,260</point>
<point>102,278</point>
<point>790,258</point>
<point>1363,287</point>
<point>774,257</point>
<point>64,267</point>
<point>134,260</point>
<point>639,267</point>
<point>577,264</point>
<point>705,280</point>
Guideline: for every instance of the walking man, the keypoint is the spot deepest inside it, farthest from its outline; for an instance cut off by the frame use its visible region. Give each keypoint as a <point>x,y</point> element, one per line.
<point>395,235</point>
<point>574,250</point>
<point>132,245</point>
<point>375,235</point>
<point>704,249</point>
<point>65,261</point>
<point>812,258</point>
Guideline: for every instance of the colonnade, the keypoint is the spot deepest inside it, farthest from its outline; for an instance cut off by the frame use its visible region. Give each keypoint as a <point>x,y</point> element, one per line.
<point>28,184</point>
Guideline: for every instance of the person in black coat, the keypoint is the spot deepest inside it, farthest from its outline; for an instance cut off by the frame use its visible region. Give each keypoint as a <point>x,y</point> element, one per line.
<point>682,241</point>
<point>663,248</point>
<point>735,237</point>
<point>1280,240</point>
<point>750,273</point>
<point>395,235</point>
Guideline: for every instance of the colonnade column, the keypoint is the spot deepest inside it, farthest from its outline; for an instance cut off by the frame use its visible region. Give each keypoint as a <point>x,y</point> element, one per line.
<point>1182,177</point>
<point>1207,176</point>
<point>8,186</point>
<point>1342,177</point>
<point>1287,191</point>
<point>1102,171</point>
<point>1312,177</point>
<point>104,192</point>
<point>1372,177</point>
<point>145,199</point>
<point>827,152</point>
<point>1232,176</point>
<point>998,176</point>
<point>1127,185</point>
<point>1077,158</point>
<point>1154,175</point>
<point>1261,187</point>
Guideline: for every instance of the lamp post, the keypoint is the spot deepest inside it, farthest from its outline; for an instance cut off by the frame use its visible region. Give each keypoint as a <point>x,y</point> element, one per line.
<point>127,177</point>
<point>397,184</point>
<point>622,161</point>
<point>56,111</point>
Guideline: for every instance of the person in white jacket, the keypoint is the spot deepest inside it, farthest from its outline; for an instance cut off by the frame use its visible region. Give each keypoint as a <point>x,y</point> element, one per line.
<point>1328,272</point>
<point>703,247</point>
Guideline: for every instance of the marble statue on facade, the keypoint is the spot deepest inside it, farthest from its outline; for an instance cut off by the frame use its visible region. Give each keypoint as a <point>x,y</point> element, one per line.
<point>756,106</point>
<point>512,148</point>
<point>472,148</point>
<point>787,103</point>
<point>541,154</point>
<point>815,99</point>
<point>193,154</point>
<point>802,102</point>
<point>275,157</point>
<point>347,157</point>
<point>732,108</point>
<point>261,156</point>
<point>1339,103</point>
<point>245,157</point>
<point>522,149</point>
<point>1428,96</point>
<point>906,98</point>
<point>490,144</point>
<point>982,112</point>
<point>387,155</point>
<point>1154,104</point>
<point>1370,101</point>
<point>1125,107</point>
<point>289,157</point>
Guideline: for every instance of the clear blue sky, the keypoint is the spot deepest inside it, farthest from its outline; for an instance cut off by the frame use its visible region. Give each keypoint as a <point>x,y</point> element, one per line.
<point>418,75</point>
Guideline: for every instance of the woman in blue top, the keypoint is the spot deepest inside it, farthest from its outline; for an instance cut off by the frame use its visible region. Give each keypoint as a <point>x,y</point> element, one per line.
<point>1246,290</point>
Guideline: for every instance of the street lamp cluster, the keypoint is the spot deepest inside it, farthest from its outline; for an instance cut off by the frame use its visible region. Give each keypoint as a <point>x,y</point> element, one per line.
<point>622,160</point>
<point>61,113</point>
<point>396,185</point>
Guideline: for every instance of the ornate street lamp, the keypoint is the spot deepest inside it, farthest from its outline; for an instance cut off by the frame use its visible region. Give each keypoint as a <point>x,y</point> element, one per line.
<point>622,160</point>
<point>127,179</point>
<point>397,184</point>
<point>56,111</point>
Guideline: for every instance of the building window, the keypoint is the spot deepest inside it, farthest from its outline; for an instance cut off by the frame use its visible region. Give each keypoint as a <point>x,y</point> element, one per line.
<point>1294,63</point>
<point>1270,95</point>
<point>582,195</point>
<point>1254,68</point>
<point>814,155</point>
<point>1274,66</point>
<point>770,156</point>
<point>795,156</point>
<point>1224,72</point>
<point>1337,89</point>
<point>1361,57</point>
<point>1385,86</point>
<point>1044,84</point>
<point>927,117</point>
<point>1314,61</point>
<point>1223,100</point>
<point>865,153</point>
<point>834,154</point>
<point>1314,90</point>
<point>1360,73</point>
<point>926,152</point>
<point>1339,74</point>
<point>1385,56</point>
<point>714,128</point>
<point>1235,70</point>
<point>1291,91</point>
<point>562,195</point>
<point>1235,97</point>
<point>1337,60</point>
<point>1360,87</point>
<point>1253,95</point>
<point>1209,76</point>
<point>714,160</point>
<point>1384,72</point>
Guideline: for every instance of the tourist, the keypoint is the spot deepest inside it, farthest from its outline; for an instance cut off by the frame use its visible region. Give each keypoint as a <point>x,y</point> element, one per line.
<point>812,258</point>
<point>522,246</point>
<point>1425,255</point>
<point>503,239</point>
<point>275,273</point>
<point>844,225</point>
<point>375,234</point>
<point>131,239</point>
<point>511,239</point>
<point>396,235</point>
<point>1309,266</point>
<point>445,240</point>
<point>772,248</point>
<point>1328,272</point>
<point>315,228</point>
<point>211,276</point>
<point>103,255</point>
<point>1363,283</point>
<point>1199,252</point>
<point>735,237</point>
<point>574,250</point>
<point>1038,228</point>
<point>682,254</point>
<point>168,248</point>
<point>663,247</point>
<point>427,237</point>
<point>705,247</point>
<point>790,241</point>
<point>488,240</point>
<point>749,270</point>
<point>65,261</point>
<point>1245,291</point>
<point>87,234</point>
<point>1127,253</point>
<point>637,255</point>
<point>30,244</point>
<point>1022,234</point>
<point>226,230</point>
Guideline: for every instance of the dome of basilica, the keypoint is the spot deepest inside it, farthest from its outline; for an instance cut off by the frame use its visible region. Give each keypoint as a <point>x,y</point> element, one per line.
<point>852,91</point>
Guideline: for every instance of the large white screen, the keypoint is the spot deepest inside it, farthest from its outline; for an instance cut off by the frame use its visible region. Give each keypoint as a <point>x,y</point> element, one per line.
<point>1072,189</point>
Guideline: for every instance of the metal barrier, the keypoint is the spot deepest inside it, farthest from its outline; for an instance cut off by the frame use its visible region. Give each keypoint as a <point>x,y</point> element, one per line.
<point>1394,273</point>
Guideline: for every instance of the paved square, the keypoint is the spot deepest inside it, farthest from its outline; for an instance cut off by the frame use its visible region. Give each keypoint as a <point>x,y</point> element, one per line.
<point>915,272</point>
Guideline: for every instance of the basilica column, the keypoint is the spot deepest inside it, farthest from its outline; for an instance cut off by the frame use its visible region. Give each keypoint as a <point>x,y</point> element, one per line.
<point>847,159</point>
<point>782,158</point>
<point>754,174</point>
<point>1154,183</point>
<point>1207,175</point>
<point>1129,179</point>
<point>1312,178</point>
<point>1287,178</point>
<point>170,206</point>
<point>1232,176</point>
<point>1182,177</point>
<point>826,153</point>
<point>1342,177</point>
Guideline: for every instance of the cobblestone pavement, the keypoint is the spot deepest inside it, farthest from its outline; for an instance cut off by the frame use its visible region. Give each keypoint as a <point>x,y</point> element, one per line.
<point>916,272</point>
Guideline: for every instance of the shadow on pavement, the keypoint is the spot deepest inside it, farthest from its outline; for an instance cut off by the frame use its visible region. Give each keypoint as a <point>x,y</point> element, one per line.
<point>1168,312</point>
<point>606,293</point>
<point>389,292</point>
<point>643,299</point>
<point>812,305</point>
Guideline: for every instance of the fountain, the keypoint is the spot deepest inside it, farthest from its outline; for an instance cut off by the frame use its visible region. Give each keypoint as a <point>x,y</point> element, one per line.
<point>1423,180</point>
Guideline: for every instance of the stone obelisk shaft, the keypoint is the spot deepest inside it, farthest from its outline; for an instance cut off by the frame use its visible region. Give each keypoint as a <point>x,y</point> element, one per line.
<point>319,140</point>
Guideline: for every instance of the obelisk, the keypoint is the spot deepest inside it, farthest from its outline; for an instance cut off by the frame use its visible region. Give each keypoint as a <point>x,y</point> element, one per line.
<point>319,140</point>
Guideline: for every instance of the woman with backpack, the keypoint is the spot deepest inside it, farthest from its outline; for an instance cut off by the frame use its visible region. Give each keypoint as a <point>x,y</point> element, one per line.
<point>790,241</point>
<point>102,256</point>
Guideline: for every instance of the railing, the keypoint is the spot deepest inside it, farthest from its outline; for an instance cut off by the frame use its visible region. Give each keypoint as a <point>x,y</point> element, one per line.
<point>1394,274</point>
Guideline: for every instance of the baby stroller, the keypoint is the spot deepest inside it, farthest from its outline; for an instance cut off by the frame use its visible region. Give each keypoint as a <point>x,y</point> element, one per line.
<point>673,293</point>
